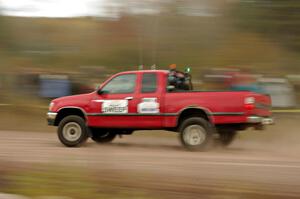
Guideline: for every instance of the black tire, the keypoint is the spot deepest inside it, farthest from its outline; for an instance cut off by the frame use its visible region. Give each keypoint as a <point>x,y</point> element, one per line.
<point>102,136</point>
<point>72,131</point>
<point>226,136</point>
<point>202,136</point>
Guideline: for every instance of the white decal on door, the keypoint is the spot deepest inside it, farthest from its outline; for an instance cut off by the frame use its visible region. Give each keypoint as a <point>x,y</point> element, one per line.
<point>115,106</point>
<point>148,105</point>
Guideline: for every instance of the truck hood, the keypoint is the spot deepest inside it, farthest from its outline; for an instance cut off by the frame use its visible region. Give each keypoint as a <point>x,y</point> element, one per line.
<point>81,101</point>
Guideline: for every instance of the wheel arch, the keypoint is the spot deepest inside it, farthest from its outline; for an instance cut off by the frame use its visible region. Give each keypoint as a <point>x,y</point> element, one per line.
<point>194,112</point>
<point>66,111</point>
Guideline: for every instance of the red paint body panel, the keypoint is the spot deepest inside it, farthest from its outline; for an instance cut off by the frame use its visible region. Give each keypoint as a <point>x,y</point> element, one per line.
<point>222,107</point>
<point>230,119</point>
<point>141,122</point>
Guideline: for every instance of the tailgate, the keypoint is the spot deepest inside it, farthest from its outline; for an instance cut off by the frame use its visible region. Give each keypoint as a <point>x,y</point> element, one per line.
<point>262,105</point>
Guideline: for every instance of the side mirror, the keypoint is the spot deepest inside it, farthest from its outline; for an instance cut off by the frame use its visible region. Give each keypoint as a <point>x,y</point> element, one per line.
<point>170,88</point>
<point>101,92</point>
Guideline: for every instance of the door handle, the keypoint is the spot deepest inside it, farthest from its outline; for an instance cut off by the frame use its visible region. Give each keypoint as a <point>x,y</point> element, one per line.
<point>128,98</point>
<point>98,100</point>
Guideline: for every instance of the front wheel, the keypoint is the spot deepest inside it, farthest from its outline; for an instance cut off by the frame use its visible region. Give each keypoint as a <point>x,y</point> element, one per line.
<point>196,134</point>
<point>72,131</point>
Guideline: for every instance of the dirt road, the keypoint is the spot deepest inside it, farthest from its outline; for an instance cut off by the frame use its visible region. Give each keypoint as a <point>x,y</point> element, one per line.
<point>246,169</point>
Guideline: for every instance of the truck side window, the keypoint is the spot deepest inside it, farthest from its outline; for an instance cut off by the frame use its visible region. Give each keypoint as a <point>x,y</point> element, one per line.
<point>149,83</point>
<point>121,84</point>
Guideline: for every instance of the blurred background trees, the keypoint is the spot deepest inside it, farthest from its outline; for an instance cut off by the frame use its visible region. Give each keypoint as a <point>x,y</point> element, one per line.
<point>262,34</point>
<point>257,36</point>
<point>277,20</point>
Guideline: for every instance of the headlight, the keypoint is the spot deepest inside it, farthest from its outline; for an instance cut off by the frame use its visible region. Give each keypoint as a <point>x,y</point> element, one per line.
<point>51,106</point>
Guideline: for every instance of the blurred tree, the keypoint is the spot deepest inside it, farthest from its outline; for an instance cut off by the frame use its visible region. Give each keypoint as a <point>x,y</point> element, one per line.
<point>6,41</point>
<point>277,19</point>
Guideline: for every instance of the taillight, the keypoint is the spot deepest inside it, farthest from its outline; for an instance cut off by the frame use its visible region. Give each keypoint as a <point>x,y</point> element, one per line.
<point>249,103</point>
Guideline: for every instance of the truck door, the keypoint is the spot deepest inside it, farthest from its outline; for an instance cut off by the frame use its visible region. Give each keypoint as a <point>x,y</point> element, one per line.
<point>149,101</point>
<point>116,105</point>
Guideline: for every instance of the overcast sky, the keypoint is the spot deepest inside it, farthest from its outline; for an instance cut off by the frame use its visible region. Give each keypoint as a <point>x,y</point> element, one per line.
<point>102,8</point>
<point>52,8</point>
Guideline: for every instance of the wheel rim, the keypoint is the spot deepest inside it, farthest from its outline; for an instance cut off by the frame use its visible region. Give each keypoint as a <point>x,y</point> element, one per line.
<point>194,135</point>
<point>72,131</point>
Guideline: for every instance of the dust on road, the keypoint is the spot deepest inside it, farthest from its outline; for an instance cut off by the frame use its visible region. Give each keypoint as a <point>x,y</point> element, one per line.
<point>261,165</point>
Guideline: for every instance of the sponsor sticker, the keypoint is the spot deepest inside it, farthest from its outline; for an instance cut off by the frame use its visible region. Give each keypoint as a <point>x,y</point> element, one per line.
<point>115,106</point>
<point>148,105</point>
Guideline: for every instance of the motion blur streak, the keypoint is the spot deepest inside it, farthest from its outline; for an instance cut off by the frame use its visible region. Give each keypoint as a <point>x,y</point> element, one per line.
<point>54,48</point>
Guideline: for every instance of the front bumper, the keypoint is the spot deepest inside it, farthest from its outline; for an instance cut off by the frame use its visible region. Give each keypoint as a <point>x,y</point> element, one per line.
<point>260,120</point>
<point>51,116</point>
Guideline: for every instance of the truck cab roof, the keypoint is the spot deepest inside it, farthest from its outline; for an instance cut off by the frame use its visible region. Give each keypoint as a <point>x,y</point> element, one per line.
<point>144,71</point>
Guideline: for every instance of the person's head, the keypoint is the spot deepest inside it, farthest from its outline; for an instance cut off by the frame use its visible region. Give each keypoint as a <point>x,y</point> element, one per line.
<point>172,67</point>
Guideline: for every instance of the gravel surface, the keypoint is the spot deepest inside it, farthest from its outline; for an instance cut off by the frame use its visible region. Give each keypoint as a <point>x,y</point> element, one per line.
<point>252,167</point>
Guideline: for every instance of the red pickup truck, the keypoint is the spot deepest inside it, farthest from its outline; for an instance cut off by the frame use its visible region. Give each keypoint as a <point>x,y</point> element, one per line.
<point>148,100</point>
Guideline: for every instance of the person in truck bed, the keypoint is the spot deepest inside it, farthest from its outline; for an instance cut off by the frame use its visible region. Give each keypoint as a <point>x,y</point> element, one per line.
<point>180,80</point>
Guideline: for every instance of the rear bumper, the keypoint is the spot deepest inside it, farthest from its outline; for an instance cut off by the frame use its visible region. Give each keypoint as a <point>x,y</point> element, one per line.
<point>260,120</point>
<point>51,116</point>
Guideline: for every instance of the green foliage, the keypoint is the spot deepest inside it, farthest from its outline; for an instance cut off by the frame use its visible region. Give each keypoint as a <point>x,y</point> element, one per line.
<point>64,181</point>
<point>245,34</point>
<point>5,35</point>
<point>278,20</point>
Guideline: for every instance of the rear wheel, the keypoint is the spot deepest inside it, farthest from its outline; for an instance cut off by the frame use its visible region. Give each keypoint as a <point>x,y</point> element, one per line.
<point>227,136</point>
<point>72,131</point>
<point>102,136</point>
<point>196,134</point>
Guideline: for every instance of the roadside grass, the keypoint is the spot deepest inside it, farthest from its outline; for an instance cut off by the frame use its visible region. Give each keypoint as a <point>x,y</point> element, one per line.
<point>24,118</point>
<point>45,181</point>
<point>78,183</point>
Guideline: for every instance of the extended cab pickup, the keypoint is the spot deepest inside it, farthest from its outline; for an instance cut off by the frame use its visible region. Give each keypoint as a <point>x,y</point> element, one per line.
<point>140,100</point>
